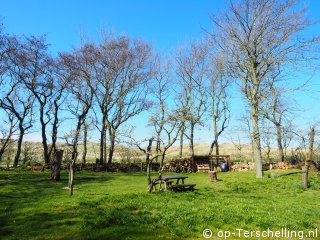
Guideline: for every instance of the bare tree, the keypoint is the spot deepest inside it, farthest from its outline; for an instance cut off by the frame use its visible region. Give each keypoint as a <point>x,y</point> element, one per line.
<point>259,37</point>
<point>85,128</point>
<point>267,137</point>
<point>7,118</point>
<point>311,143</point>
<point>237,144</point>
<point>7,132</point>
<point>163,119</point>
<point>20,105</point>
<point>78,70</point>
<point>150,156</point>
<point>191,71</point>
<point>275,108</point>
<point>122,71</point>
<point>34,68</point>
<point>287,136</point>
<point>56,102</point>
<point>219,108</point>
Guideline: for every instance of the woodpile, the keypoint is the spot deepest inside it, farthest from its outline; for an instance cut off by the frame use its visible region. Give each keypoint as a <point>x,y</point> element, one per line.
<point>279,165</point>
<point>180,165</point>
<point>203,168</point>
<point>266,166</point>
<point>35,168</point>
<point>113,167</point>
<point>243,166</point>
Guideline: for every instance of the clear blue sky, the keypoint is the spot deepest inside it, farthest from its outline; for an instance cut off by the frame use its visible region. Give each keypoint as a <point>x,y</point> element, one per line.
<point>164,23</point>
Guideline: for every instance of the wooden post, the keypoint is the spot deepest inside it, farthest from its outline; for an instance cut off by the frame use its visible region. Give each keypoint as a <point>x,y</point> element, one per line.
<point>55,170</point>
<point>213,176</point>
<point>305,176</point>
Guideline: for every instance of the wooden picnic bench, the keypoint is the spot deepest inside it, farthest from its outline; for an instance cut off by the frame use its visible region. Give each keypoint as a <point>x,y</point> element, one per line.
<point>159,182</point>
<point>170,184</point>
<point>182,187</point>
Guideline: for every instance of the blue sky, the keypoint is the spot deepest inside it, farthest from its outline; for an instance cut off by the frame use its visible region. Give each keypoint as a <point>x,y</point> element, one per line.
<point>164,23</point>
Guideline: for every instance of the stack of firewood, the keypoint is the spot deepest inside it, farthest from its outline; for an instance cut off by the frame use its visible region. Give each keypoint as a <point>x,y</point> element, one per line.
<point>243,166</point>
<point>179,165</point>
<point>113,167</point>
<point>203,168</point>
<point>280,165</point>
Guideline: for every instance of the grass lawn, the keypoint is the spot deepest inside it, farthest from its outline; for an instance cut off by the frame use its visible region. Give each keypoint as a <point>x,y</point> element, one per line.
<point>117,206</point>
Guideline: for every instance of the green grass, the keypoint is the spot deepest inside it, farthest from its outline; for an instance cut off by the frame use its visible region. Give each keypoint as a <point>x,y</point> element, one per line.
<point>117,206</point>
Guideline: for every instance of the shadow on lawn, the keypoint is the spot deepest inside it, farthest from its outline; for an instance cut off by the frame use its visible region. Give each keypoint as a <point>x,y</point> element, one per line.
<point>288,174</point>
<point>20,193</point>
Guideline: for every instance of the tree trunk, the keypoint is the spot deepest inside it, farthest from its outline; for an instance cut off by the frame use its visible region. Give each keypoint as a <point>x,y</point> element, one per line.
<point>55,174</point>
<point>71,178</point>
<point>305,176</point>
<point>5,142</point>
<point>54,129</point>
<point>85,139</point>
<point>217,147</point>
<point>181,140</point>
<point>191,139</point>
<point>44,138</point>
<point>181,145</point>
<point>312,133</point>
<point>158,147</point>
<point>279,142</point>
<point>268,153</point>
<point>213,176</point>
<point>163,155</point>
<point>102,134</point>
<point>149,162</point>
<point>211,147</point>
<point>105,146</point>
<point>112,139</point>
<point>74,156</point>
<point>256,142</point>
<point>216,136</point>
<point>19,146</point>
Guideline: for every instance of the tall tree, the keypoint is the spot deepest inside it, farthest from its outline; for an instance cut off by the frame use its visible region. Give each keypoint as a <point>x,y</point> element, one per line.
<point>191,69</point>
<point>218,95</point>
<point>78,71</point>
<point>164,121</point>
<point>7,132</point>
<point>20,104</point>
<point>275,108</point>
<point>122,72</point>
<point>56,102</point>
<point>36,72</point>
<point>150,156</point>
<point>14,99</point>
<point>260,37</point>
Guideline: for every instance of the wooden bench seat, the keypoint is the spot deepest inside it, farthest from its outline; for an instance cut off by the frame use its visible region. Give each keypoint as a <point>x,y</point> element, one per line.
<point>182,187</point>
<point>167,184</point>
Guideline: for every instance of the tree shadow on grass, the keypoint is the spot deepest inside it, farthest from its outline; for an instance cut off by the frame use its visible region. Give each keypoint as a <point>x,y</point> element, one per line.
<point>288,174</point>
<point>26,200</point>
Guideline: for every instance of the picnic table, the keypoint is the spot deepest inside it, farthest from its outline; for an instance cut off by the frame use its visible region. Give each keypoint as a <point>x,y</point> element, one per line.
<point>169,183</point>
<point>173,177</point>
